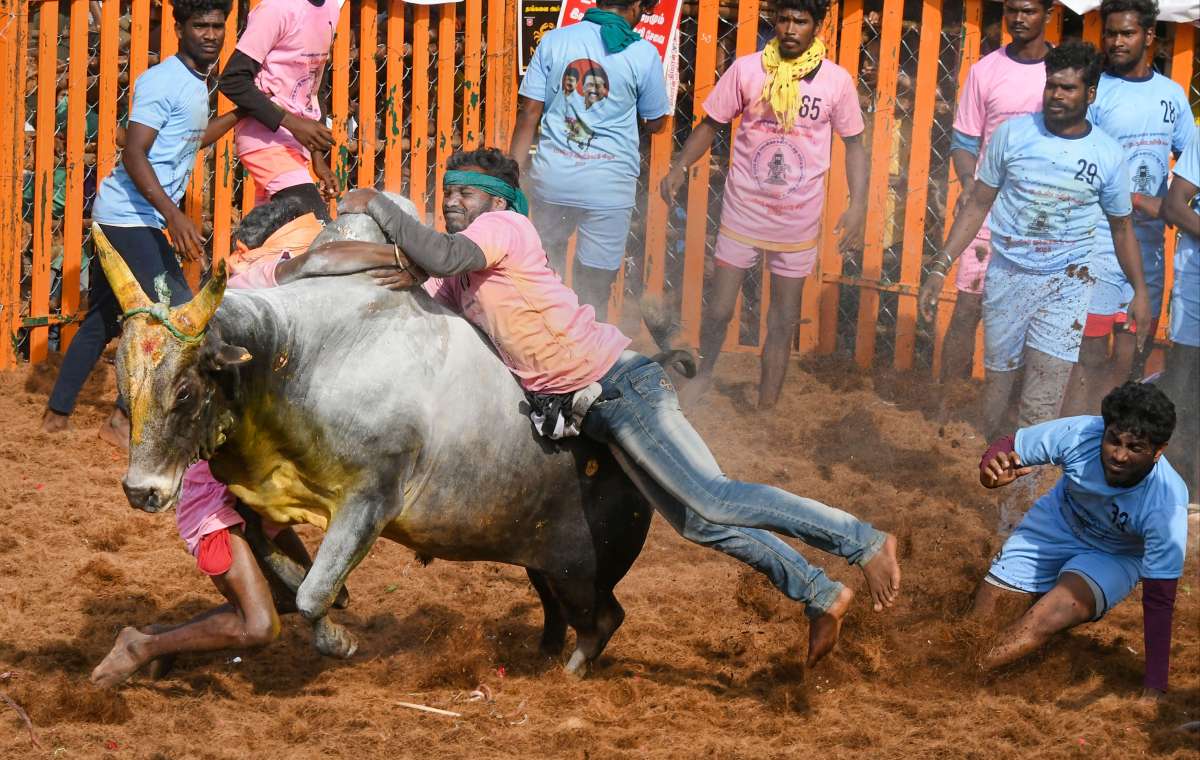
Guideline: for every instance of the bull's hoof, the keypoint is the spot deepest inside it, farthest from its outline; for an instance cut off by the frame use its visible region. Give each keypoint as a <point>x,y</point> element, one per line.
<point>334,640</point>
<point>579,665</point>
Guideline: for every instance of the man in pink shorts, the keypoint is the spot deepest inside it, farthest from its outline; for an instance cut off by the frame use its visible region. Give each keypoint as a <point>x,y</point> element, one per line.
<point>791,99</point>
<point>1003,84</point>
<point>274,76</point>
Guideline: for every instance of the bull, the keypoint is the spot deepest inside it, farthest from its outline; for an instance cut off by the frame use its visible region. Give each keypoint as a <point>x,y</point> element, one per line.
<point>366,413</point>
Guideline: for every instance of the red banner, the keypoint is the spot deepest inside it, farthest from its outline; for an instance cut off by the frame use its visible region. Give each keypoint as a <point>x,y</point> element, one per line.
<point>657,27</point>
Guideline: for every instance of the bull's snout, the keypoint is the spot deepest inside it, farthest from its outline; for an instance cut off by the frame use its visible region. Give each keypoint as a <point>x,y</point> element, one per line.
<point>145,498</point>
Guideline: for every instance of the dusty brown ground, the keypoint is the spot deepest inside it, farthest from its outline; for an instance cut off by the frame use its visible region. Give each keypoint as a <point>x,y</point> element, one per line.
<point>708,663</point>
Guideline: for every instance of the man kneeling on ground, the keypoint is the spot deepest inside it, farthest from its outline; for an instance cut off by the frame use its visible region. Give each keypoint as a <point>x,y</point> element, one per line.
<point>1119,512</point>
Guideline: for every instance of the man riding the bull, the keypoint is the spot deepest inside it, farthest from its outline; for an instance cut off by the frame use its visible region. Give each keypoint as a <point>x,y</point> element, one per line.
<point>579,377</point>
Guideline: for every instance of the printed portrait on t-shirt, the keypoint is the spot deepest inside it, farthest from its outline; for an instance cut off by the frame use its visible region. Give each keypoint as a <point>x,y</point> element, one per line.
<point>585,87</point>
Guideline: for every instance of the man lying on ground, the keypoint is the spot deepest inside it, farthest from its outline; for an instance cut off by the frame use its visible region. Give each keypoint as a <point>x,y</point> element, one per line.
<point>1119,513</point>
<point>579,377</point>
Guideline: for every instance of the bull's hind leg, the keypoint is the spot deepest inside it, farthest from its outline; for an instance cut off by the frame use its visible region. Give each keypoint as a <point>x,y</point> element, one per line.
<point>554,629</point>
<point>595,615</point>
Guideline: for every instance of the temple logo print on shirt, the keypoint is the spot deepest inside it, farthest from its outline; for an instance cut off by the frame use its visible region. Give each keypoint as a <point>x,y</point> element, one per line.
<point>778,167</point>
<point>585,86</point>
<point>305,88</point>
<point>1147,170</point>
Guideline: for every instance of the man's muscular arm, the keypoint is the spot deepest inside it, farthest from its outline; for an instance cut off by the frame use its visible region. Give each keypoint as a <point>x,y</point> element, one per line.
<point>348,257</point>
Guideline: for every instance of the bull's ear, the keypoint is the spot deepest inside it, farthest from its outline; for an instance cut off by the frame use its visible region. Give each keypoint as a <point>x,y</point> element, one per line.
<point>230,356</point>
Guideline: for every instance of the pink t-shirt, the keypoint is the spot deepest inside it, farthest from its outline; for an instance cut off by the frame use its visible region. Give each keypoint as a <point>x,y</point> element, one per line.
<point>291,39</point>
<point>545,337</point>
<point>776,189</point>
<point>998,88</point>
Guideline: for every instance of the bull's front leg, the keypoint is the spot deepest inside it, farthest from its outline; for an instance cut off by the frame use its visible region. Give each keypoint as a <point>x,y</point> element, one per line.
<point>352,532</point>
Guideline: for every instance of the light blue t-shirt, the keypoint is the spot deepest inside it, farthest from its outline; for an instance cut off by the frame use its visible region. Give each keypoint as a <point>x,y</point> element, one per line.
<point>1053,191</point>
<point>1185,293</point>
<point>172,99</point>
<point>588,146</point>
<point>1149,519</point>
<point>1150,118</point>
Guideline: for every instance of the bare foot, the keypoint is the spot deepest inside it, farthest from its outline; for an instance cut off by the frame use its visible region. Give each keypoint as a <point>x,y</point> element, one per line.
<point>123,659</point>
<point>53,422</point>
<point>115,430</point>
<point>883,575</point>
<point>823,631</point>
<point>694,389</point>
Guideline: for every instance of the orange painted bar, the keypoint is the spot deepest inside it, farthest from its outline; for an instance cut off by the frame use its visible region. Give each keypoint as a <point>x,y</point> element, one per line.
<point>747,43</point>
<point>809,334</point>
<point>496,39</point>
<point>508,70</point>
<point>418,159</point>
<point>1183,61</point>
<point>472,74</point>
<point>224,162</point>
<point>1092,28</point>
<point>877,193</point>
<point>168,43</point>
<point>655,266</point>
<point>139,42</point>
<point>106,137</point>
<point>839,193</point>
<point>368,118</point>
<point>339,156</point>
<point>43,176</point>
<point>248,190</point>
<point>1054,25</point>
<point>76,168</point>
<point>918,181</point>
<point>13,53</point>
<point>393,127</point>
<point>972,21</point>
<point>445,102</point>
<point>697,206</point>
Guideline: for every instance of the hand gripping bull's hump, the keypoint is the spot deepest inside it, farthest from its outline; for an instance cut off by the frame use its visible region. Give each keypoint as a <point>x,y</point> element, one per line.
<point>368,412</point>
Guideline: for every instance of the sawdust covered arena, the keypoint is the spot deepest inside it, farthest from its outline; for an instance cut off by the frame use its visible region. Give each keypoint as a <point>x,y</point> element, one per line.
<point>708,663</point>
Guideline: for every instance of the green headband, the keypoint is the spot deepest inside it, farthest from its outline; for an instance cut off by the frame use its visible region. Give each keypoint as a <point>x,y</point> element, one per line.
<point>490,185</point>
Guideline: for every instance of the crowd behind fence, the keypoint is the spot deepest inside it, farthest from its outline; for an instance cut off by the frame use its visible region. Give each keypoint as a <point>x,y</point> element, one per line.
<point>408,84</point>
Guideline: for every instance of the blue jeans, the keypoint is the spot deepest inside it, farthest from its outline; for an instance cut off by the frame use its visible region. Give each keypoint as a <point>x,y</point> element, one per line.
<point>644,421</point>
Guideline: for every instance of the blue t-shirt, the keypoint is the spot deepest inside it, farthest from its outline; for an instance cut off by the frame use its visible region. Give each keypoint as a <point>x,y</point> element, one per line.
<point>1185,294</point>
<point>588,147</point>
<point>1053,191</point>
<point>172,99</point>
<point>1147,520</point>
<point>1150,118</point>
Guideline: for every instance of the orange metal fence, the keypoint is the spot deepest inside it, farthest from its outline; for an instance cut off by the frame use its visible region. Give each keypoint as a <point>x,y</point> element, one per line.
<point>411,83</point>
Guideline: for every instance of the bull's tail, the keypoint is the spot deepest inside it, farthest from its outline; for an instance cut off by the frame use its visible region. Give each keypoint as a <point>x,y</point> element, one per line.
<point>662,329</point>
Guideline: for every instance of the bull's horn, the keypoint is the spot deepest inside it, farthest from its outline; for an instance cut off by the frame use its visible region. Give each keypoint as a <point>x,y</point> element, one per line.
<point>124,285</point>
<point>192,317</point>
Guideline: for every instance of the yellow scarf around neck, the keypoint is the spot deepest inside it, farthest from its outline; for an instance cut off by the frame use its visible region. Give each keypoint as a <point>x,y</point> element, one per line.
<point>782,89</point>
